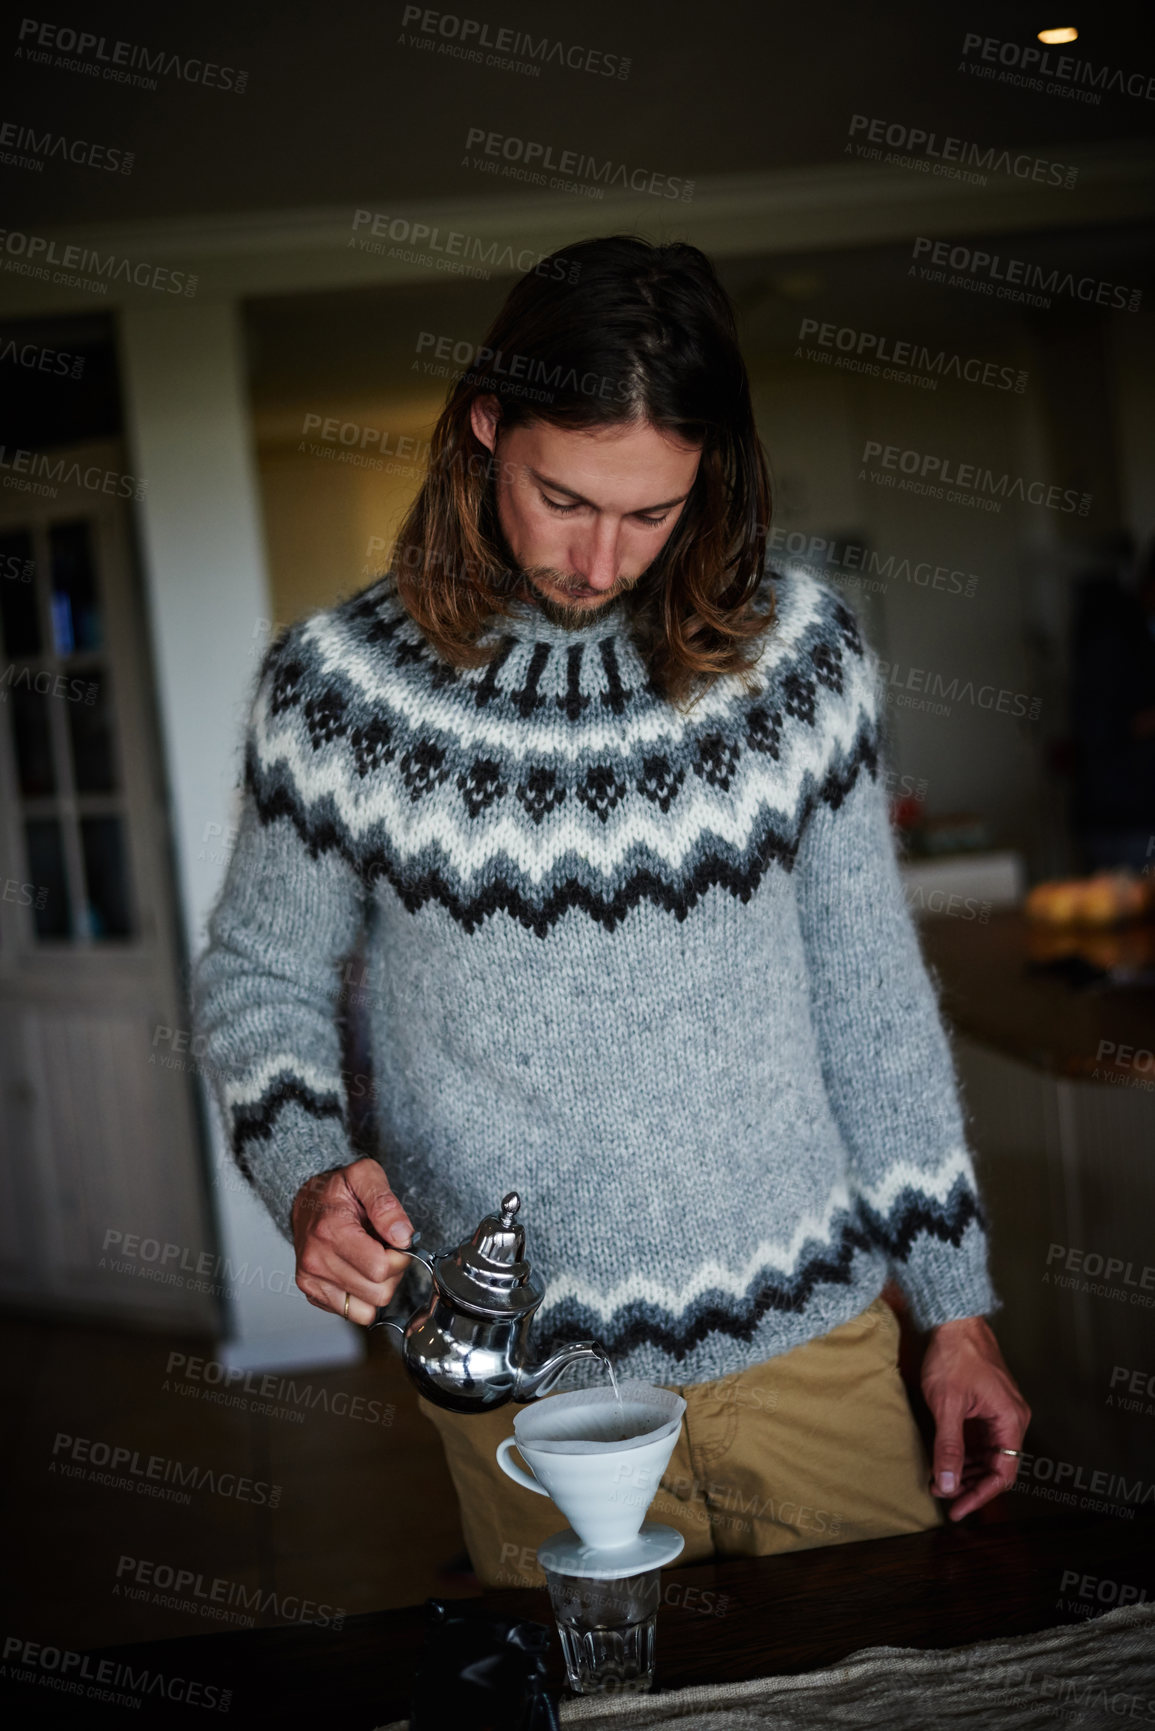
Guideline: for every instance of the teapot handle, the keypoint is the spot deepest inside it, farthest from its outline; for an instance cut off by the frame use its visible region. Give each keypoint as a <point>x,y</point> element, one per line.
<point>426,1260</point>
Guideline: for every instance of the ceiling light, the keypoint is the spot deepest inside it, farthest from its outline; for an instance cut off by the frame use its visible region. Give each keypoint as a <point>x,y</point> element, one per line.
<point>1053,37</point>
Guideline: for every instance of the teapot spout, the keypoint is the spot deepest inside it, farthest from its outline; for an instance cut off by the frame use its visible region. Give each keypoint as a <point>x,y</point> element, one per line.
<point>539,1379</point>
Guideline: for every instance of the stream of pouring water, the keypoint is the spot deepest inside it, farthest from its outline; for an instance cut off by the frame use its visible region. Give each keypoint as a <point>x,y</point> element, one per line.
<point>608,1362</point>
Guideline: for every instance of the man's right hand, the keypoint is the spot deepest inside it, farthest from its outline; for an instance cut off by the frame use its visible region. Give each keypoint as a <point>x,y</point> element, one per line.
<point>339,1219</point>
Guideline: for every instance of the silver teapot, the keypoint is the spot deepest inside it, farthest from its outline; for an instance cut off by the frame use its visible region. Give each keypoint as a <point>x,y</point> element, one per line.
<point>466,1349</point>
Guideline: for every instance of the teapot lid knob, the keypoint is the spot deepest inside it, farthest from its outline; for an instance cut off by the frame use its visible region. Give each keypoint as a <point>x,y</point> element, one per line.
<point>509,1207</point>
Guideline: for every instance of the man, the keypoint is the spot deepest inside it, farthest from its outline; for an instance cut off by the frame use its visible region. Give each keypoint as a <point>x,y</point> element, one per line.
<point>602,798</point>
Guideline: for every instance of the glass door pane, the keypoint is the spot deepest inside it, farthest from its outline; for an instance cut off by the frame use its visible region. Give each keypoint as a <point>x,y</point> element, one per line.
<point>19,616</point>
<point>90,726</point>
<point>51,906</point>
<point>31,735</point>
<point>60,710</point>
<point>106,877</point>
<point>77,622</point>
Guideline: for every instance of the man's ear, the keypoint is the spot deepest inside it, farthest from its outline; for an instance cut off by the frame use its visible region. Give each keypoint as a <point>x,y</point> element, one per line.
<point>484,418</point>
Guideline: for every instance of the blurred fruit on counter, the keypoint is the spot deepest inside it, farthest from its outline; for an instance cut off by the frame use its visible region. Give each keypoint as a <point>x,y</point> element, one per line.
<point>1106,899</point>
<point>1121,949</point>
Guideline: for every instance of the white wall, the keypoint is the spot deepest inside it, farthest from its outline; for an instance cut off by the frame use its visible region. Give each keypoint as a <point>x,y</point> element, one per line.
<point>972,759</point>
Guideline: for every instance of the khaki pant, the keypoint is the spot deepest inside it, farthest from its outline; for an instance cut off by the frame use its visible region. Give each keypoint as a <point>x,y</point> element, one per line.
<point>815,1447</point>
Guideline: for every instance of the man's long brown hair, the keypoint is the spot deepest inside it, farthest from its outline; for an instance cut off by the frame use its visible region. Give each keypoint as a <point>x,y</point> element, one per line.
<point>608,332</point>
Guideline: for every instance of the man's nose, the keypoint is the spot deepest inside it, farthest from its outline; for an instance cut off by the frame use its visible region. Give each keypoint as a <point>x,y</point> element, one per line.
<point>596,560</point>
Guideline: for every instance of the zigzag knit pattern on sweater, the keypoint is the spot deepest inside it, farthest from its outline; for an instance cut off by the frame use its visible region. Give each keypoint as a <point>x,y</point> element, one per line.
<point>652,969</point>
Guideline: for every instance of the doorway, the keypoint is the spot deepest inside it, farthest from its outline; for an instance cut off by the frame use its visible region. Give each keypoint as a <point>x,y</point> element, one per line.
<point>103,1203</point>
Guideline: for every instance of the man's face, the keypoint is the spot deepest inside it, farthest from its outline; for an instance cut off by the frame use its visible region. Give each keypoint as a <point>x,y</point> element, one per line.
<point>584,514</point>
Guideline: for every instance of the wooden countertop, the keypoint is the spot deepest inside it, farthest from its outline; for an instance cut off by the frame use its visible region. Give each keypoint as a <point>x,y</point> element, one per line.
<point>1007,984</point>
<point>781,1615</point>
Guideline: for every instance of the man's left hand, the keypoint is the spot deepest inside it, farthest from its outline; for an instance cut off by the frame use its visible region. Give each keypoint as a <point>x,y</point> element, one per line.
<point>977,1410</point>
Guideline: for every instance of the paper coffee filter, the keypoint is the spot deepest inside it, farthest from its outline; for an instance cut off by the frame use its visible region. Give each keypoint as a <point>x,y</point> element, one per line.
<point>551,1425</point>
<point>612,1445</point>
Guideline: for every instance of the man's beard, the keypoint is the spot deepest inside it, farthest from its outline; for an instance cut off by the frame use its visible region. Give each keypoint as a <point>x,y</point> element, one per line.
<point>570,618</point>
<point>518,583</point>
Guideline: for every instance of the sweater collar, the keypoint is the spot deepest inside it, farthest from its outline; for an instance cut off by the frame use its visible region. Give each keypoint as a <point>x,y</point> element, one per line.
<point>527,623</point>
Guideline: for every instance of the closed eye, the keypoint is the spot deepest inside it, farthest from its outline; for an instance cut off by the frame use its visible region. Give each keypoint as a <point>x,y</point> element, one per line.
<point>567,510</point>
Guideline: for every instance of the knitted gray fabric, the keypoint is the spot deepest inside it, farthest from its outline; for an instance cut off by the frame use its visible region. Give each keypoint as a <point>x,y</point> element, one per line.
<point>654,971</point>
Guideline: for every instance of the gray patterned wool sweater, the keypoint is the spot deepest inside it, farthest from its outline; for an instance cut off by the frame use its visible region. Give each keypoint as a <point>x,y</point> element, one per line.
<point>655,972</point>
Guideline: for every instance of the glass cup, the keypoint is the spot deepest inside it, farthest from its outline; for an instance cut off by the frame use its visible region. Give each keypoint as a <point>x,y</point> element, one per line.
<point>607,1629</point>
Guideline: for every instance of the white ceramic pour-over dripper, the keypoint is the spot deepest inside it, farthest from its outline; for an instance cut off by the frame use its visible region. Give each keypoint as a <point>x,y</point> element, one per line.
<point>602,1487</point>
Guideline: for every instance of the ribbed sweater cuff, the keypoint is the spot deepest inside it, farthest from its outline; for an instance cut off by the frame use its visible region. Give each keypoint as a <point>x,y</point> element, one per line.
<point>944,1283</point>
<point>297,1148</point>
